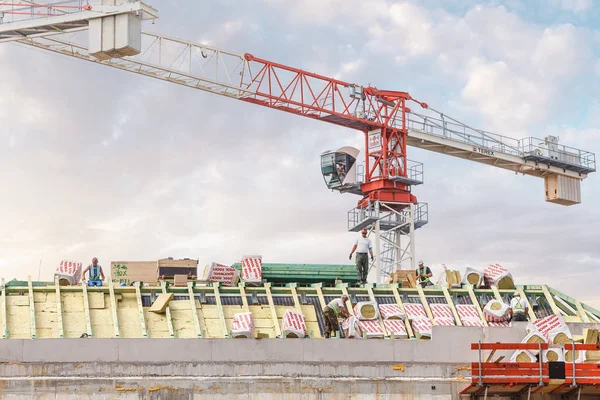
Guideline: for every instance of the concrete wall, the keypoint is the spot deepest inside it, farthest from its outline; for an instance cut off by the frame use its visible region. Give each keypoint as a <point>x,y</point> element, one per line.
<point>245,369</point>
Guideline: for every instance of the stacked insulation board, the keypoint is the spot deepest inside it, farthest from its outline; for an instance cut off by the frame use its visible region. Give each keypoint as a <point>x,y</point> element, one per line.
<point>45,310</point>
<point>307,273</point>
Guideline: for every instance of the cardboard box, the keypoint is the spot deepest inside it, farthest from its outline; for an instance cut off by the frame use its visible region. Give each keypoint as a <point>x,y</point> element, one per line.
<point>133,271</point>
<point>405,277</point>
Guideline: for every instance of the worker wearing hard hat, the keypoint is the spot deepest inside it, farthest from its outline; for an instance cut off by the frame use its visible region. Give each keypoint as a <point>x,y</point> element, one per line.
<point>362,247</point>
<point>423,274</point>
<point>96,275</point>
<point>518,308</point>
<point>335,308</point>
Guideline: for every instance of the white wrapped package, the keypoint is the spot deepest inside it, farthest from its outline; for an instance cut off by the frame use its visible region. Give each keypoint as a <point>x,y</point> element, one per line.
<point>391,311</point>
<point>472,277</point>
<point>242,326</point>
<point>496,311</point>
<point>560,335</point>
<point>366,310</point>
<point>415,311</point>
<point>468,315</point>
<point>371,329</point>
<point>470,321</point>
<point>396,327</point>
<point>534,337</point>
<point>352,328</point>
<point>293,324</point>
<point>252,269</point>
<point>553,327</point>
<point>228,276</point>
<point>499,276</point>
<point>502,324</point>
<point>422,327</point>
<point>443,321</point>
<point>523,356</point>
<point>553,354</point>
<point>579,356</point>
<point>68,273</point>
<point>441,311</point>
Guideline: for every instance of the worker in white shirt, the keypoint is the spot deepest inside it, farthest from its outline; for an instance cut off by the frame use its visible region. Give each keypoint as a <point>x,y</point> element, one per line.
<point>335,308</point>
<point>518,308</point>
<point>362,247</point>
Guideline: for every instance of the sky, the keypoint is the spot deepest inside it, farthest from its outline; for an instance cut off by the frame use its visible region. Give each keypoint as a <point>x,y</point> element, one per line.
<point>100,162</point>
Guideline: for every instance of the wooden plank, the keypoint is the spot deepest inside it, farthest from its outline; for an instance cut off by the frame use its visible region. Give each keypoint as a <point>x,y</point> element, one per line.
<point>86,310</point>
<point>138,298</point>
<point>59,321</point>
<point>451,304</point>
<point>194,310</point>
<point>31,308</point>
<point>244,298</point>
<point>372,298</point>
<point>344,287</point>
<point>581,312</point>
<point>5,332</point>
<point>318,287</point>
<point>297,305</point>
<point>550,301</point>
<point>497,293</point>
<point>113,308</point>
<point>425,303</point>
<point>163,285</point>
<point>530,312</point>
<point>409,330</point>
<point>476,303</point>
<point>273,312</point>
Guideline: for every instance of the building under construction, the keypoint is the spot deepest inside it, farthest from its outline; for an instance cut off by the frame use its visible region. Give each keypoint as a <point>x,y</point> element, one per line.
<point>253,330</point>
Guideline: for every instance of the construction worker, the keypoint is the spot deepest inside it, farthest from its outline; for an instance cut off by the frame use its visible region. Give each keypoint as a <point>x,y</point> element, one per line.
<point>518,308</point>
<point>335,308</point>
<point>96,274</point>
<point>362,247</point>
<point>423,274</point>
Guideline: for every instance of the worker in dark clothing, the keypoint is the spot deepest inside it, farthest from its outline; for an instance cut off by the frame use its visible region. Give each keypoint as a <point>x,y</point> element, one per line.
<point>335,308</point>
<point>423,274</point>
<point>362,247</point>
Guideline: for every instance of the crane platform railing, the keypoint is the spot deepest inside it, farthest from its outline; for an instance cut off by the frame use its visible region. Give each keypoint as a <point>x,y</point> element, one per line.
<point>553,378</point>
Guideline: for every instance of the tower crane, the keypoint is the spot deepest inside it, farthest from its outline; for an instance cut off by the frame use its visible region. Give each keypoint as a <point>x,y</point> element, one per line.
<point>390,120</point>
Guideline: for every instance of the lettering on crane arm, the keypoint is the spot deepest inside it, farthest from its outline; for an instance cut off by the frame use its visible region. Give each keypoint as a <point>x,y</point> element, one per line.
<point>483,151</point>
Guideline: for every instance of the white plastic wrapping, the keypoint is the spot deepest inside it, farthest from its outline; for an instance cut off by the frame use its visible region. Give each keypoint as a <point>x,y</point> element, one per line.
<point>371,329</point>
<point>472,277</point>
<point>496,311</point>
<point>397,327</point>
<point>415,311</point>
<point>391,311</point>
<point>68,272</point>
<point>441,312</point>
<point>498,276</point>
<point>560,335</point>
<point>443,321</point>
<point>523,356</point>
<point>366,310</point>
<point>228,276</point>
<point>293,324</point>
<point>470,321</point>
<point>242,326</point>
<point>252,269</point>
<point>534,337</point>
<point>352,328</point>
<point>553,354</point>
<point>422,327</point>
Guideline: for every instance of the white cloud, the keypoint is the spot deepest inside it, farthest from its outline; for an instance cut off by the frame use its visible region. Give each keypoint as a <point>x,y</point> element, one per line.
<point>576,6</point>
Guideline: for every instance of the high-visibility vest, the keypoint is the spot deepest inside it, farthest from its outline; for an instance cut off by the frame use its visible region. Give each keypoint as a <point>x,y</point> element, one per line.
<point>518,306</point>
<point>334,306</point>
<point>423,271</point>
<point>95,275</point>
